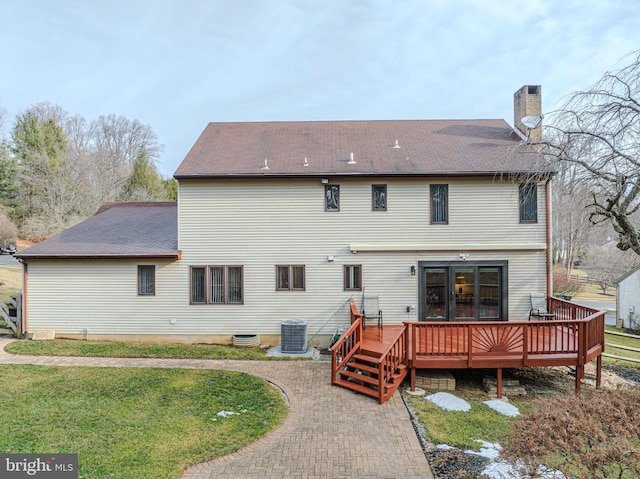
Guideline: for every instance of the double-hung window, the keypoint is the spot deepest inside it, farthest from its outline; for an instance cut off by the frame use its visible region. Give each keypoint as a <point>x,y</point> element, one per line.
<point>217,285</point>
<point>528,199</point>
<point>353,277</point>
<point>290,278</point>
<point>439,204</point>
<point>146,280</point>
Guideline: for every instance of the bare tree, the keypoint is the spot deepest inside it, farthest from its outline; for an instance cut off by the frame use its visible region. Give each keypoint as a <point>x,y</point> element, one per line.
<point>571,213</point>
<point>8,230</point>
<point>117,142</point>
<point>598,132</point>
<point>606,263</point>
<point>66,166</point>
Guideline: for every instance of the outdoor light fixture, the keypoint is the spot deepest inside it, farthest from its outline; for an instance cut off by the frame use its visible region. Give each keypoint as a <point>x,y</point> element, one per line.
<point>325,181</point>
<point>413,270</point>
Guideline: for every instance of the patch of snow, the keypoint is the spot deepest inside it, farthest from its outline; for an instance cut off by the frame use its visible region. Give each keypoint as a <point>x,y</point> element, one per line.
<point>501,469</point>
<point>449,402</point>
<point>444,446</point>
<point>226,413</point>
<point>503,407</point>
<point>416,392</point>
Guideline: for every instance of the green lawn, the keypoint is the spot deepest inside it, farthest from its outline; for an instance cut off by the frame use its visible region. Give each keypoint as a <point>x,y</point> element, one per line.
<point>133,423</point>
<point>612,339</point>
<point>11,281</point>
<point>462,429</point>
<point>106,349</point>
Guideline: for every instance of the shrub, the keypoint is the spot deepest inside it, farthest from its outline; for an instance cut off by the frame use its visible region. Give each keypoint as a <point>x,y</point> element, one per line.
<point>563,286</point>
<point>595,437</point>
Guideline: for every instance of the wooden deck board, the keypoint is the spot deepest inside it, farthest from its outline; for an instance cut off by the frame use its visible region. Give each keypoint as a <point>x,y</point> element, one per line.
<point>376,340</point>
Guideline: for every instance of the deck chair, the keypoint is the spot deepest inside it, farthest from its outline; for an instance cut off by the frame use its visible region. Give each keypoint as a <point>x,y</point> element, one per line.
<point>371,309</point>
<point>539,307</point>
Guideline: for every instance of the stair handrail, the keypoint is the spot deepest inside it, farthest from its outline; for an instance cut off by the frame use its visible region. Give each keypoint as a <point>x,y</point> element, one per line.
<point>344,348</point>
<point>388,364</point>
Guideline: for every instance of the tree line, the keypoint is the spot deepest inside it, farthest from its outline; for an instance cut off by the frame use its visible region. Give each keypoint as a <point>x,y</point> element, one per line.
<point>56,169</point>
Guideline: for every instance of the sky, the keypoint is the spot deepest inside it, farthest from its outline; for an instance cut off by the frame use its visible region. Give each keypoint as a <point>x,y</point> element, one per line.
<point>177,65</point>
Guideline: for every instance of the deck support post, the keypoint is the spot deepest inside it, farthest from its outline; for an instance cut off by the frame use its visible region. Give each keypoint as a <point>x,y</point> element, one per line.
<point>579,376</point>
<point>499,381</point>
<point>413,379</point>
<point>599,371</point>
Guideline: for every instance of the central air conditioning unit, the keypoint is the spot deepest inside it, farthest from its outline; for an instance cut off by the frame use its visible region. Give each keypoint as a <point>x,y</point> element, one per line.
<point>293,334</point>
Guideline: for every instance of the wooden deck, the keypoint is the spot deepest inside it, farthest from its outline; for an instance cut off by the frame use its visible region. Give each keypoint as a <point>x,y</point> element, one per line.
<point>573,338</point>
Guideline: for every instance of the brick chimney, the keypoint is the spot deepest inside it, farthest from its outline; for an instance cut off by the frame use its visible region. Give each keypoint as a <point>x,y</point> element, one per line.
<point>527,101</point>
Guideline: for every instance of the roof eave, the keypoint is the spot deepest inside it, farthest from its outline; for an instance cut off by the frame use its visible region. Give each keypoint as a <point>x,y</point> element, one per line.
<point>220,176</point>
<point>168,255</point>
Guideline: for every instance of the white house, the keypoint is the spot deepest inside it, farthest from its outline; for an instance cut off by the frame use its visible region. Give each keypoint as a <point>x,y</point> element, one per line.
<point>628,299</point>
<point>443,219</point>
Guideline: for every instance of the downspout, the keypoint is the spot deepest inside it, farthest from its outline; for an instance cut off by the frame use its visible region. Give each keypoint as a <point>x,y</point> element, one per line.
<point>548,238</point>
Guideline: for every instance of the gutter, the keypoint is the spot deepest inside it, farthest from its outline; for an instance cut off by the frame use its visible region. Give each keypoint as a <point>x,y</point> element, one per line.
<point>177,255</point>
<point>549,239</point>
<point>337,174</point>
<point>25,296</point>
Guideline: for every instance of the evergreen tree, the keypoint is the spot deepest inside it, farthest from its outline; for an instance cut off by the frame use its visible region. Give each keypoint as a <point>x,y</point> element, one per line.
<point>171,189</point>
<point>9,193</point>
<point>144,183</point>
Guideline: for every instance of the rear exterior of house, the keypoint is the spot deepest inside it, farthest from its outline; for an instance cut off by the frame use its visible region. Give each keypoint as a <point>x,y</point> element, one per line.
<point>444,220</point>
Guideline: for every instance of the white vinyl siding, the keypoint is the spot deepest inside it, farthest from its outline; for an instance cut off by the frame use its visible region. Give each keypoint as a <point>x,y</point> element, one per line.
<point>260,223</point>
<point>100,297</point>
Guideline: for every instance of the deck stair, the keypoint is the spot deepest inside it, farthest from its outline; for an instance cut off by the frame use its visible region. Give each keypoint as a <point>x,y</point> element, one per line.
<point>376,374</point>
<point>362,375</point>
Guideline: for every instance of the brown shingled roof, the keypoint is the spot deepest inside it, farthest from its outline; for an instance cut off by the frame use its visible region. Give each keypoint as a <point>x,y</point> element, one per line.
<point>129,230</point>
<point>426,147</point>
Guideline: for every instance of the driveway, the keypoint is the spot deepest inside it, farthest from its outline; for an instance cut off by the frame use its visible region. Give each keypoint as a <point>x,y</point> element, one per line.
<point>329,432</point>
<point>608,306</point>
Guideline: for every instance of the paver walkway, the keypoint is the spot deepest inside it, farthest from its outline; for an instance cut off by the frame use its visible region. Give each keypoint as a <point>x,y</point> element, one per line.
<point>329,432</point>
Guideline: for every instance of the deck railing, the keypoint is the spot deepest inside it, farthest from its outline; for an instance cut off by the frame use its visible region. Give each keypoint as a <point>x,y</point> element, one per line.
<point>575,330</point>
<point>591,321</point>
<point>348,345</point>
<point>564,309</point>
<point>393,361</point>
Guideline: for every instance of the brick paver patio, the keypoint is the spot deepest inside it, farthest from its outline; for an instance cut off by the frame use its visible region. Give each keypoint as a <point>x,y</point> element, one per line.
<point>329,432</point>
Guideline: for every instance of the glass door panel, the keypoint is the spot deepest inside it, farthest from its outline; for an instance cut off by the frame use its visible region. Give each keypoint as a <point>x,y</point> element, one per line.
<point>436,294</point>
<point>489,279</point>
<point>465,293</point>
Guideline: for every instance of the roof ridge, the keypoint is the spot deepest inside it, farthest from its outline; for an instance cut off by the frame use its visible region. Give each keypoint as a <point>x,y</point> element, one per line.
<point>129,204</point>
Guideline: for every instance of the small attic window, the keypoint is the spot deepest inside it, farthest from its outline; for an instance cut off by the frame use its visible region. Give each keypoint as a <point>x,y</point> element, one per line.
<point>533,89</point>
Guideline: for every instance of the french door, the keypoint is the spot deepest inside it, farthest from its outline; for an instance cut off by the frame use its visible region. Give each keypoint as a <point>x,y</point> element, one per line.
<point>463,291</point>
